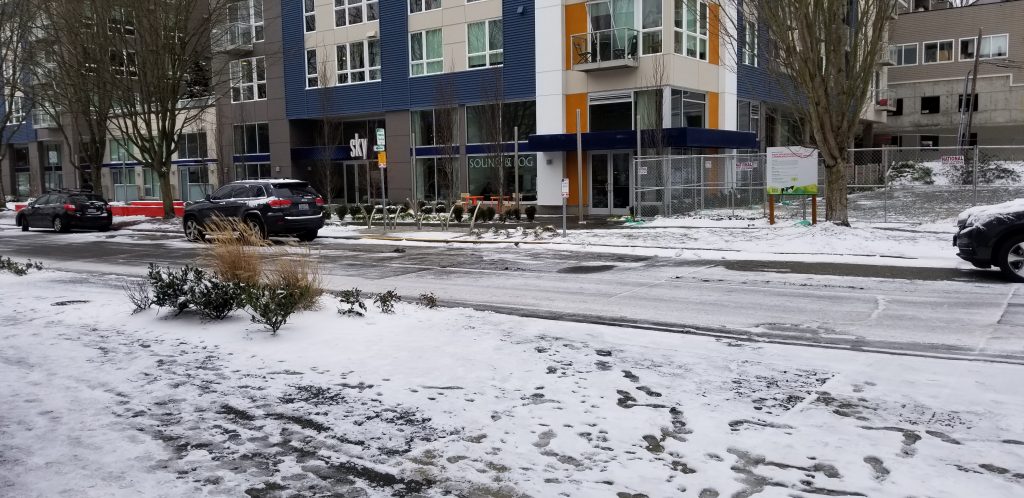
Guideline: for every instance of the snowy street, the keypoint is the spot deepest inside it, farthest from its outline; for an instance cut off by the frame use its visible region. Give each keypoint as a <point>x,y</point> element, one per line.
<point>427,402</point>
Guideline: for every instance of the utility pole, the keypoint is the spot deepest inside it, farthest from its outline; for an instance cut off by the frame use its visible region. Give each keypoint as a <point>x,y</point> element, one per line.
<point>974,90</point>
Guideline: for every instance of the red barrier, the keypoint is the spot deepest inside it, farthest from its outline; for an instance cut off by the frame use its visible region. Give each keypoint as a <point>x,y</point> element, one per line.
<point>151,209</point>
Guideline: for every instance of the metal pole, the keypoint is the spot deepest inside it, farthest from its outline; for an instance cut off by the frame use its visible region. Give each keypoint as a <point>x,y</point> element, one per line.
<point>885,179</point>
<point>975,179</point>
<point>415,200</point>
<point>515,161</point>
<point>563,216</point>
<point>383,198</point>
<point>974,91</point>
<point>579,167</point>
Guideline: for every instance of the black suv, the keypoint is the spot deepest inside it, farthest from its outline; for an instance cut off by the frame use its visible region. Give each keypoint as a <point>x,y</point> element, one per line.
<point>993,236</point>
<point>63,211</point>
<point>272,207</point>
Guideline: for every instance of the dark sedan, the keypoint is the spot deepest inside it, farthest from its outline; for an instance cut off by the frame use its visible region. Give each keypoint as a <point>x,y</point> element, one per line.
<point>63,211</point>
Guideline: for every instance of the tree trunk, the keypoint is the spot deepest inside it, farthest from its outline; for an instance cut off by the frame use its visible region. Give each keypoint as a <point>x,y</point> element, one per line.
<point>97,179</point>
<point>836,200</point>
<point>166,194</point>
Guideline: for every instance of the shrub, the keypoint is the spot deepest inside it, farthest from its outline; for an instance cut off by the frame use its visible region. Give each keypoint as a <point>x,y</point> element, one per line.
<point>353,298</point>
<point>139,294</point>
<point>512,213</point>
<point>299,276</point>
<point>368,208</point>
<point>214,299</point>
<point>191,287</point>
<point>440,208</point>
<point>386,301</point>
<point>271,306</point>
<point>19,269</point>
<point>531,212</point>
<point>427,300</point>
<point>458,212</point>
<point>355,210</point>
<point>237,254</point>
<point>427,209</point>
<point>911,171</point>
<point>487,213</point>
<point>171,287</point>
<point>341,211</point>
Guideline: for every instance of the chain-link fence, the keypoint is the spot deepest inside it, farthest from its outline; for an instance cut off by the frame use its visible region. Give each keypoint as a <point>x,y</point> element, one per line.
<point>884,184</point>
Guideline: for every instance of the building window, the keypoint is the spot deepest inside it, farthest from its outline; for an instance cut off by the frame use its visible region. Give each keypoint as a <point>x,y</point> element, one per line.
<point>248,17</point>
<point>937,51</point>
<point>18,110</point>
<point>192,145</point>
<point>972,101</point>
<point>248,79</point>
<point>992,47</point>
<point>906,54</point>
<point>124,63</point>
<point>349,12</point>
<point>485,44</point>
<point>54,176</point>
<point>120,150</point>
<point>423,127</point>
<point>691,28</point>
<point>423,5</point>
<point>689,109</point>
<point>486,178</point>
<point>931,105</point>
<point>650,27</point>
<point>967,48</point>
<point>252,171</point>
<point>748,116</point>
<point>122,20</point>
<point>899,108</point>
<point>750,43</point>
<point>309,15</point>
<point>312,80</point>
<point>929,140</point>
<point>150,183</point>
<point>359,62</point>
<point>481,121</point>
<point>425,52</point>
<point>252,138</point>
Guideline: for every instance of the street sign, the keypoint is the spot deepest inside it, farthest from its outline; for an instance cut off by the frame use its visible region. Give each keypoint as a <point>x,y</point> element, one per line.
<point>378,148</point>
<point>948,161</point>
<point>565,188</point>
<point>380,137</point>
<point>382,160</point>
<point>745,166</point>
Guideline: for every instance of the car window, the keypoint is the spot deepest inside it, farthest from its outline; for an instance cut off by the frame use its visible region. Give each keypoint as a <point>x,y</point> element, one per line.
<point>43,200</point>
<point>223,192</point>
<point>293,189</point>
<point>249,192</point>
<point>257,191</point>
<point>86,198</point>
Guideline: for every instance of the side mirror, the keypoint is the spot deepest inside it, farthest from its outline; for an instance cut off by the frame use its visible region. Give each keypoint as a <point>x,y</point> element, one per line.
<point>208,198</point>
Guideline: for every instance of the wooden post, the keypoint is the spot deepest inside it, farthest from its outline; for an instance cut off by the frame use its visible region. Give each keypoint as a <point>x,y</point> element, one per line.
<point>814,209</point>
<point>771,209</point>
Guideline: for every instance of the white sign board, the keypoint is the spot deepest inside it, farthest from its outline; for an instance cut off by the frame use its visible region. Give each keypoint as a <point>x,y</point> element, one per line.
<point>642,170</point>
<point>792,170</point>
<point>565,188</point>
<point>380,137</point>
<point>948,161</point>
<point>745,166</point>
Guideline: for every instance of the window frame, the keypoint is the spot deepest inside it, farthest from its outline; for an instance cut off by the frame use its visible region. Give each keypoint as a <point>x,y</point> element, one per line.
<point>312,78</point>
<point>368,70</point>
<point>682,31</point>
<point>750,37</point>
<point>124,149</point>
<point>921,104</point>
<point>256,130</point>
<point>423,6</point>
<point>197,138</point>
<point>978,50</point>
<point>426,61</point>
<point>309,16</point>
<point>18,113</point>
<point>901,54</point>
<point>952,52</point>
<point>659,29</point>
<point>489,51</point>
<point>346,7</point>
<point>235,68</point>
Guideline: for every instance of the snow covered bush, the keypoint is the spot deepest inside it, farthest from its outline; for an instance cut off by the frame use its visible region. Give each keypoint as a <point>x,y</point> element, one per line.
<point>352,299</point>
<point>487,213</point>
<point>171,287</point>
<point>990,172</point>
<point>192,287</point>
<point>214,299</point>
<point>341,211</point>
<point>19,269</point>
<point>386,301</point>
<point>427,300</point>
<point>911,172</point>
<point>271,306</point>
<point>458,212</point>
<point>531,212</point>
<point>139,294</point>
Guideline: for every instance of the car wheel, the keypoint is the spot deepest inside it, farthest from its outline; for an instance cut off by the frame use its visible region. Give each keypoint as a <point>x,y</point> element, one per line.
<point>193,231</point>
<point>1011,258</point>
<point>256,226</point>
<point>58,225</point>
<point>307,236</point>
<point>23,223</point>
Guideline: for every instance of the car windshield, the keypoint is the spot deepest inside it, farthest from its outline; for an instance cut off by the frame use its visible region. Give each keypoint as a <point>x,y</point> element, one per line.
<point>85,198</point>
<point>293,189</point>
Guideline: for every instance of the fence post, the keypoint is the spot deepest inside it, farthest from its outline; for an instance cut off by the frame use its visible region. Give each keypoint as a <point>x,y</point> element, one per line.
<point>975,179</point>
<point>885,184</point>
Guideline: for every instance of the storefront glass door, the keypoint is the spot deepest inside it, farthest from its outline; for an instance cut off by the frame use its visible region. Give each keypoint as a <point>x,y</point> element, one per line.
<point>609,183</point>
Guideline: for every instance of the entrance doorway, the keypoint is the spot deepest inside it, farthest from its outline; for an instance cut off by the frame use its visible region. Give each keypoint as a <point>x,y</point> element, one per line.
<point>609,183</point>
<point>360,182</point>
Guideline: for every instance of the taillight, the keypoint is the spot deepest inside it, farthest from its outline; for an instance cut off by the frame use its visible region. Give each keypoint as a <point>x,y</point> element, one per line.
<point>319,201</point>
<point>280,203</point>
<point>69,208</point>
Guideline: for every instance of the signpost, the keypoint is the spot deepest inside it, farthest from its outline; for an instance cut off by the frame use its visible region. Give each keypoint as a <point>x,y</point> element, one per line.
<point>792,171</point>
<point>382,164</point>
<point>565,199</point>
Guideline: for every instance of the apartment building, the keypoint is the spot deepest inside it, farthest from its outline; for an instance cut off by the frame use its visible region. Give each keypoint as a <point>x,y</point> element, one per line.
<point>935,47</point>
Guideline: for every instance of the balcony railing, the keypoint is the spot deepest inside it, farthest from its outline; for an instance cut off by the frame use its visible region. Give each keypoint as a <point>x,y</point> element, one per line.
<point>885,100</point>
<point>234,38</point>
<point>606,49</point>
<point>888,54</point>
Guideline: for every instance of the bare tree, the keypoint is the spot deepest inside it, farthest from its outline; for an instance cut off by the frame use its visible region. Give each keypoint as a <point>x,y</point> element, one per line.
<point>824,53</point>
<point>493,127</point>
<point>19,25</point>
<point>161,69</point>
<point>446,126</point>
<point>71,85</point>
<point>329,135</point>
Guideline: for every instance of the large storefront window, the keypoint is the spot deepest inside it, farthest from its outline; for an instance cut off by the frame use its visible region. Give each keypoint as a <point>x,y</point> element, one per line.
<point>150,183</point>
<point>609,116</point>
<point>482,121</point>
<point>437,180</point>
<point>252,138</point>
<point>484,175</point>
<point>689,109</point>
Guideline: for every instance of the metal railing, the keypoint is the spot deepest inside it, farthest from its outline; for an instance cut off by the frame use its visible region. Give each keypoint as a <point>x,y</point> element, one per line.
<point>236,37</point>
<point>885,99</point>
<point>609,47</point>
<point>889,54</point>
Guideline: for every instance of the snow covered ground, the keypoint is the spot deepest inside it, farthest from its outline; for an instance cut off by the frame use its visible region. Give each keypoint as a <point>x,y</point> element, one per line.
<point>426,402</point>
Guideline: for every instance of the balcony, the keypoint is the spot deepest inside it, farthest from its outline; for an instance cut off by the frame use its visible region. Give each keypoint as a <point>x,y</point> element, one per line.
<point>234,38</point>
<point>885,100</point>
<point>888,55</point>
<point>603,50</point>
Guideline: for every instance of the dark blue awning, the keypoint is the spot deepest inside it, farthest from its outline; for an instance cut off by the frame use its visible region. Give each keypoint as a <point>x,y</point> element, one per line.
<point>700,138</point>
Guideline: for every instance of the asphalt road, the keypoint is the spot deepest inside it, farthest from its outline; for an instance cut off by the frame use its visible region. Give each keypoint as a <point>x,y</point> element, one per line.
<point>954,313</point>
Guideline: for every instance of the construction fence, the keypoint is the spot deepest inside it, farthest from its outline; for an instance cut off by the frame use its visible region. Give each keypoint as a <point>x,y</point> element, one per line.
<point>884,184</point>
